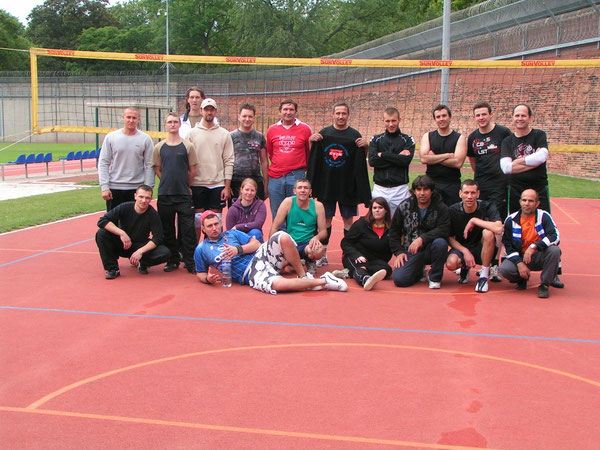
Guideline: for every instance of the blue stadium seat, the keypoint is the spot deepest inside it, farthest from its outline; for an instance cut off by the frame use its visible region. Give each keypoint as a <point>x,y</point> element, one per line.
<point>20,160</point>
<point>85,155</point>
<point>77,156</point>
<point>39,158</point>
<point>30,158</point>
<point>48,159</point>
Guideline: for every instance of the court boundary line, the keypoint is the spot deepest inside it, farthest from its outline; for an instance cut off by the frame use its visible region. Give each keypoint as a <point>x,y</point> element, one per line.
<point>303,325</point>
<point>45,252</point>
<point>260,431</point>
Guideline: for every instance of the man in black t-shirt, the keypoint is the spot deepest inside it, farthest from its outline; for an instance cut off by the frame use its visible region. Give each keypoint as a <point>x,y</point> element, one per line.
<point>483,151</point>
<point>474,226</point>
<point>174,162</point>
<point>125,231</point>
<point>444,152</point>
<point>337,170</point>
<point>524,155</point>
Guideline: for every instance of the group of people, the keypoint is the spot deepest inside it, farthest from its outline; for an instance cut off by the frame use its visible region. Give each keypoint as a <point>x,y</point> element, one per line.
<point>203,168</point>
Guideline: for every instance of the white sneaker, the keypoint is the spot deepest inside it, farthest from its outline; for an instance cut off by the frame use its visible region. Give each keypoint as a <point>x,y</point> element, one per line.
<point>495,274</point>
<point>341,273</point>
<point>374,279</point>
<point>424,277</point>
<point>308,276</point>
<point>481,285</point>
<point>333,283</point>
<point>311,267</point>
<point>322,262</point>
<point>435,284</point>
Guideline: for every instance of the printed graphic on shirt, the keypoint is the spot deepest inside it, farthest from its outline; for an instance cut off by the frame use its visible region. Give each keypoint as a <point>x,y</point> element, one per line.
<point>336,155</point>
<point>286,143</point>
<point>523,150</point>
<point>485,146</point>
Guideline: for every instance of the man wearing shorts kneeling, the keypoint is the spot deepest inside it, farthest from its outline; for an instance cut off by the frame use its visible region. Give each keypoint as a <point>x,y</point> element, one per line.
<point>304,219</point>
<point>253,263</point>
<point>474,226</point>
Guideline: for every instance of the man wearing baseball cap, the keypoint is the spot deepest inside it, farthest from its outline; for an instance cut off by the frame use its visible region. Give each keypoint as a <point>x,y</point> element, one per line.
<point>214,152</point>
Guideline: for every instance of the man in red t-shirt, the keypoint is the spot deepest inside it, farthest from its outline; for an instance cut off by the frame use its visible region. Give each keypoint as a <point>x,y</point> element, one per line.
<point>287,147</point>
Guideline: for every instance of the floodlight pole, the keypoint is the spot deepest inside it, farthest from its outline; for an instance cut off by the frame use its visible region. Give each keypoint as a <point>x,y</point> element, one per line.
<point>167,48</point>
<point>445,79</point>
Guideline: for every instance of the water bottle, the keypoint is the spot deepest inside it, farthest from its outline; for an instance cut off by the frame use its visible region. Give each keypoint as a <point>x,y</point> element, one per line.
<point>226,273</point>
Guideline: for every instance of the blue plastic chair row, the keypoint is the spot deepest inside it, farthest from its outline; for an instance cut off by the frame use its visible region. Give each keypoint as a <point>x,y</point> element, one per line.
<point>32,158</point>
<point>87,154</point>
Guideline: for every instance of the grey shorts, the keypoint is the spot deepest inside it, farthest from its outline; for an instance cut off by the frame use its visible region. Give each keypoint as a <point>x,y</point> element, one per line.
<point>267,264</point>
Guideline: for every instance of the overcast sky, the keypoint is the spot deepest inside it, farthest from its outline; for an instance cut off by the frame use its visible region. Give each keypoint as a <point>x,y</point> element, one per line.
<point>21,8</point>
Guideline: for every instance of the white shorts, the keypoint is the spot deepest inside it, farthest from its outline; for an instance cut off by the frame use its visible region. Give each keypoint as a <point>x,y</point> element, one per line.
<point>394,195</point>
<point>267,264</point>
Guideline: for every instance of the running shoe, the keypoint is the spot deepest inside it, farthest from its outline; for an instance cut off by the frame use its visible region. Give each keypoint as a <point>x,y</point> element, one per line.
<point>333,283</point>
<point>374,279</point>
<point>481,285</point>
<point>463,278</point>
<point>322,262</point>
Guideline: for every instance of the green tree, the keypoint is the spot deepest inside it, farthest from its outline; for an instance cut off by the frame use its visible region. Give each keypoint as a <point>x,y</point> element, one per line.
<point>12,35</point>
<point>58,24</point>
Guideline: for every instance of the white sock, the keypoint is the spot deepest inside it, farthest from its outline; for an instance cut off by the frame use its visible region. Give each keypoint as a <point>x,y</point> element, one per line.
<point>485,272</point>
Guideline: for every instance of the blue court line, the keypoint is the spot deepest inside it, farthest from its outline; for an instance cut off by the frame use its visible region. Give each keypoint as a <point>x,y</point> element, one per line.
<point>45,252</point>
<point>311,325</point>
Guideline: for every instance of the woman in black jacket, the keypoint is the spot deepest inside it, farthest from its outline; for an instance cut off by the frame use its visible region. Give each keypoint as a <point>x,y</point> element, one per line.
<point>366,247</point>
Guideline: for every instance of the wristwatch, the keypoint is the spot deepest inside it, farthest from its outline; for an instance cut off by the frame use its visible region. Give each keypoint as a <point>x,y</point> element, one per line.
<point>533,247</point>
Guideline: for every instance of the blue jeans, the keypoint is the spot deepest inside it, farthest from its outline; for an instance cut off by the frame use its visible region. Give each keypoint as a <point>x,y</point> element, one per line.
<point>280,188</point>
<point>435,254</point>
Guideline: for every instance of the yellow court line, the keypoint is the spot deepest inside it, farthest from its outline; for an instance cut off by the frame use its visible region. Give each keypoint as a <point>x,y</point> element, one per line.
<point>565,212</point>
<point>329,437</point>
<point>77,384</point>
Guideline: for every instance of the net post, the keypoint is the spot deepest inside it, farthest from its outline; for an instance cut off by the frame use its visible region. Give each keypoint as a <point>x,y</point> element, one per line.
<point>34,89</point>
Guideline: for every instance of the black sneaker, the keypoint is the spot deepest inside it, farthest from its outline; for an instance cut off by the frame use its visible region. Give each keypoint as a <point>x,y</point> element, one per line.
<point>170,267</point>
<point>521,284</point>
<point>557,283</point>
<point>463,278</point>
<point>142,269</point>
<point>543,291</point>
<point>112,274</point>
<point>190,269</point>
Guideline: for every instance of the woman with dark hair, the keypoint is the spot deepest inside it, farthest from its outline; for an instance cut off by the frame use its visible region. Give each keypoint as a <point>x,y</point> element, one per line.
<point>248,212</point>
<point>366,248</point>
<point>193,111</point>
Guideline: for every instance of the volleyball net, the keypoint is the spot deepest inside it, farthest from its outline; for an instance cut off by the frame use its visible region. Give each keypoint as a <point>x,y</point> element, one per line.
<point>564,94</point>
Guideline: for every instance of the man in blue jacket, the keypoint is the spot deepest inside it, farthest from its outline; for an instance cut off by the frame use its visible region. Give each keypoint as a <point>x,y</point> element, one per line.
<point>531,243</point>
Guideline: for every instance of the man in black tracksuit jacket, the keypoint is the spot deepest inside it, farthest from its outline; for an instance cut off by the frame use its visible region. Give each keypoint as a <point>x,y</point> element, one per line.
<point>390,154</point>
<point>418,235</point>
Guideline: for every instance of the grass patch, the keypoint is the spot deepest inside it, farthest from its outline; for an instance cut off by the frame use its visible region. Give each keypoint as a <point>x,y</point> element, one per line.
<point>39,209</point>
<point>560,185</point>
<point>570,187</point>
<point>25,212</point>
<point>10,152</point>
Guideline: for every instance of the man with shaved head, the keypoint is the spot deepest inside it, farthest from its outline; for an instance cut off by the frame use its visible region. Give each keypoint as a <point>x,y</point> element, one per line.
<point>531,242</point>
<point>125,161</point>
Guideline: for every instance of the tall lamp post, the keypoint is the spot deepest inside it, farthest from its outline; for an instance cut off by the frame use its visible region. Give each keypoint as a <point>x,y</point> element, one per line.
<point>445,79</point>
<point>167,65</point>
